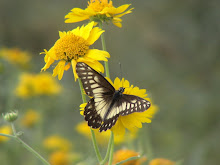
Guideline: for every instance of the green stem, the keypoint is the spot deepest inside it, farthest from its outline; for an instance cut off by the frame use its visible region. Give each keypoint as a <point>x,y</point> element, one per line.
<point>92,132</point>
<point>104,48</point>
<point>111,151</point>
<point>98,155</point>
<point>26,145</point>
<point>110,144</point>
<point>82,93</point>
<point>6,135</point>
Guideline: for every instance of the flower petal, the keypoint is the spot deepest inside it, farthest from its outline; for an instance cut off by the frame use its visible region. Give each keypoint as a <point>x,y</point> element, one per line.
<point>73,62</point>
<point>94,35</point>
<point>121,9</point>
<point>85,31</point>
<point>59,69</point>
<point>76,15</point>
<point>118,128</point>
<point>48,60</point>
<point>93,64</point>
<point>99,55</point>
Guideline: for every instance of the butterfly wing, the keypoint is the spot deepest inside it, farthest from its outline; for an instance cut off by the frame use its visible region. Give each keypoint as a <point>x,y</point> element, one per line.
<point>94,84</point>
<point>126,105</point>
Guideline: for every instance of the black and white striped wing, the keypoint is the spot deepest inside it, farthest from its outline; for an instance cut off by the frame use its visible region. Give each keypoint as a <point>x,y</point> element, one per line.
<point>94,83</point>
<point>126,105</point>
<point>96,86</point>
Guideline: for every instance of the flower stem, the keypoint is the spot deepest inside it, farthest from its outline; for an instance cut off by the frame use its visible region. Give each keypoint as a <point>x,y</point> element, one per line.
<point>110,144</point>
<point>98,155</point>
<point>6,135</point>
<point>111,151</point>
<point>81,89</point>
<point>26,145</point>
<point>92,132</point>
<point>104,48</point>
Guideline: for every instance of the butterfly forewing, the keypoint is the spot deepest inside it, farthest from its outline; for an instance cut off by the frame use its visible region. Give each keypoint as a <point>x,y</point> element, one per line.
<point>94,83</point>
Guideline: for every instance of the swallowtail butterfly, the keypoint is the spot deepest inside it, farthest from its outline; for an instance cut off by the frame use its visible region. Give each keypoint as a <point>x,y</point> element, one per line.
<point>106,104</point>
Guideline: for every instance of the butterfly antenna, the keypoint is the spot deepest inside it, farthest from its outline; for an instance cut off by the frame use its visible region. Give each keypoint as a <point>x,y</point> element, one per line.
<point>120,72</point>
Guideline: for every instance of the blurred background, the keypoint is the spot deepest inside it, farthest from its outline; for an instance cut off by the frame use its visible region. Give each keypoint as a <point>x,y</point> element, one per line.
<point>171,48</point>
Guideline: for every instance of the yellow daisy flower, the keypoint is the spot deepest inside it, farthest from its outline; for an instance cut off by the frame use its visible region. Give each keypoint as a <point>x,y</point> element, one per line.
<point>161,161</point>
<point>16,56</point>
<point>30,118</point>
<point>124,154</point>
<point>103,138</point>
<point>56,142</point>
<point>99,10</point>
<point>36,84</point>
<point>133,120</point>
<point>73,47</point>
<point>5,130</point>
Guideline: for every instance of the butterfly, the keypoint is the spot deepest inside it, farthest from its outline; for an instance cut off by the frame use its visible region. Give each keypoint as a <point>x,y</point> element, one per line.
<point>106,103</point>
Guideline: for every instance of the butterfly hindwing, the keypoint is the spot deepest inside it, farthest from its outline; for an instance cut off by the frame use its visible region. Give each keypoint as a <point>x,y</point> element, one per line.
<point>129,104</point>
<point>126,105</point>
<point>94,83</point>
<point>91,116</point>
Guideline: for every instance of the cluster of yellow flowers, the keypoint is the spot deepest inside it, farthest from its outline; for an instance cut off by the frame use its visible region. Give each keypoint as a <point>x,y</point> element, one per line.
<point>37,84</point>
<point>16,56</point>
<point>73,47</point>
<point>60,150</point>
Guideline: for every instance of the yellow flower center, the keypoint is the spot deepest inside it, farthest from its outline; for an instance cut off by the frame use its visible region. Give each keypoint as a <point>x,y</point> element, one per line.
<point>99,5</point>
<point>70,47</point>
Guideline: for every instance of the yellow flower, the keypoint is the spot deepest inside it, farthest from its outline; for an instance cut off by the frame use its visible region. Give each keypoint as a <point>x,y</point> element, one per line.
<point>103,138</point>
<point>73,47</point>
<point>60,158</point>
<point>124,154</point>
<point>56,142</point>
<point>161,161</point>
<point>133,120</point>
<point>5,130</point>
<point>37,84</point>
<point>99,10</point>
<point>16,56</point>
<point>30,118</point>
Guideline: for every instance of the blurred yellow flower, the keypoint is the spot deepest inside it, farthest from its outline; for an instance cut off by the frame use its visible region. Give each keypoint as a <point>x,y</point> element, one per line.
<point>124,154</point>
<point>99,10</point>
<point>161,161</point>
<point>37,84</point>
<point>57,143</point>
<point>103,137</point>
<point>60,158</point>
<point>16,56</point>
<point>30,118</point>
<point>73,47</point>
<point>134,120</point>
<point>5,130</point>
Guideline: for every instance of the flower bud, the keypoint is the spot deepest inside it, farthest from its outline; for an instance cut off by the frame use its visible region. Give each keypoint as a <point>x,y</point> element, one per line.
<point>10,117</point>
